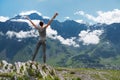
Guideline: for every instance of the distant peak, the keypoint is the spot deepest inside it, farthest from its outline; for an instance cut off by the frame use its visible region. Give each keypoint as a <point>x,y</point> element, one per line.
<point>33,14</point>
<point>30,12</point>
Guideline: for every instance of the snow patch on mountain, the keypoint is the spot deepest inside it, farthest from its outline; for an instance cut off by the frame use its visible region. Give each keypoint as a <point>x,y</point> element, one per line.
<point>3,19</point>
<point>29,12</point>
<point>36,22</point>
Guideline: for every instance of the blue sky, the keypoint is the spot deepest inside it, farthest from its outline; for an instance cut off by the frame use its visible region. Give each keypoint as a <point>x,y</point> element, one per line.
<point>66,8</point>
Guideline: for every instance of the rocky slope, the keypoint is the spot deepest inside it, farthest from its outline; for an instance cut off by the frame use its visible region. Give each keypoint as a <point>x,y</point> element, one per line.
<point>26,71</point>
<point>35,71</point>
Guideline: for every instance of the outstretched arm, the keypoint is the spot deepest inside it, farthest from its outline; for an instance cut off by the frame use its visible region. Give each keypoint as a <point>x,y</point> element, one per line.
<point>51,19</point>
<point>31,21</point>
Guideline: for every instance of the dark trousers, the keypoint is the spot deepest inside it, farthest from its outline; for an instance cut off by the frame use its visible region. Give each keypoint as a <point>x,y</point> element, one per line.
<point>43,43</point>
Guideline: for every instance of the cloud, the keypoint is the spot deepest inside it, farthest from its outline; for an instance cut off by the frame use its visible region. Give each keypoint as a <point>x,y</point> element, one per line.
<point>79,13</point>
<point>29,12</point>
<point>80,21</point>
<point>108,17</point>
<point>51,33</point>
<point>68,41</point>
<point>3,19</point>
<point>88,37</point>
<point>22,34</point>
<point>54,35</point>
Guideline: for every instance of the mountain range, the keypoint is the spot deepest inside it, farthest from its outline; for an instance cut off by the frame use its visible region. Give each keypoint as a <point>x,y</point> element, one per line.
<point>69,43</point>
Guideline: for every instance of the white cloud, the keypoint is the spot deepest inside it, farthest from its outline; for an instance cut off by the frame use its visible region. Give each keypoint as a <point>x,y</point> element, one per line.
<point>30,12</point>
<point>22,34</point>
<point>54,35</point>
<point>88,37</point>
<point>68,41</point>
<point>108,17</point>
<point>79,13</point>
<point>3,19</point>
<point>80,21</point>
<point>51,33</point>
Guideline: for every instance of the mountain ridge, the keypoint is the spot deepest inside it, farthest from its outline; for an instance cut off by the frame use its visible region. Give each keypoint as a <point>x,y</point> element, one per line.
<point>60,44</point>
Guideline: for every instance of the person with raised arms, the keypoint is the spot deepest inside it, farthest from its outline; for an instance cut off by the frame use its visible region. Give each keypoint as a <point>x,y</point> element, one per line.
<point>42,33</point>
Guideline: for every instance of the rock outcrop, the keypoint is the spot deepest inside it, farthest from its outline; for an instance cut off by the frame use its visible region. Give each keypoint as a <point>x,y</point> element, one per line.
<point>27,71</point>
